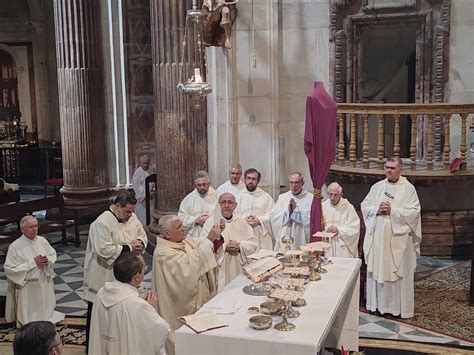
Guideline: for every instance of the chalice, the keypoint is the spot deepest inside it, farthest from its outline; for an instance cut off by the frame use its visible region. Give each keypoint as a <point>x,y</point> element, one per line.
<point>288,241</point>
<point>313,261</point>
<point>284,325</point>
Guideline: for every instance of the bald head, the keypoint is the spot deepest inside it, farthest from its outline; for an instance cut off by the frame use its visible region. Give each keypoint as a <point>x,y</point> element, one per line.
<point>228,204</point>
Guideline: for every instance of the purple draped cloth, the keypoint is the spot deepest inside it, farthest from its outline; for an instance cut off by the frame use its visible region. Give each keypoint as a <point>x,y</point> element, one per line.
<point>319,145</point>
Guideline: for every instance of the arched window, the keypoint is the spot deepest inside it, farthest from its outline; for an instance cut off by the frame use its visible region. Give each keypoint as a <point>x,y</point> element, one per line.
<point>8,83</point>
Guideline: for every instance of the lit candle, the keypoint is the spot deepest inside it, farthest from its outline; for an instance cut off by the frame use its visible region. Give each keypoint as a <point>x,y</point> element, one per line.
<point>197,75</point>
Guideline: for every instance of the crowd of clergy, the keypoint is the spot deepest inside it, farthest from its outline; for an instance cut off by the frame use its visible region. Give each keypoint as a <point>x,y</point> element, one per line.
<point>204,247</point>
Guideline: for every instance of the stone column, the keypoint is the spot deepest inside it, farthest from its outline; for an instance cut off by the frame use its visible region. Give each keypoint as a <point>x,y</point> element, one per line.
<point>81,101</point>
<point>180,126</point>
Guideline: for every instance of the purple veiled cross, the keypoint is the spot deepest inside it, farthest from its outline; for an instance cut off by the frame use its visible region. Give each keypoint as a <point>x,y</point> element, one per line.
<point>319,145</point>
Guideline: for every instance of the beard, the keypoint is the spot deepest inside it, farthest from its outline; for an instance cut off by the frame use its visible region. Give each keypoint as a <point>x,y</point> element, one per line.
<point>251,188</point>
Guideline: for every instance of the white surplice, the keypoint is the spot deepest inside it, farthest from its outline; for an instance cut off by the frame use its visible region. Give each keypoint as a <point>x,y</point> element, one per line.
<point>105,243</point>
<point>30,294</point>
<point>138,181</point>
<point>257,204</point>
<point>391,246</point>
<point>281,223</point>
<point>229,187</point>
<point>192,206</point>
<point>184,279</point>
<point>124,323</point>
<point>345,218</point>
<point>230,265</point>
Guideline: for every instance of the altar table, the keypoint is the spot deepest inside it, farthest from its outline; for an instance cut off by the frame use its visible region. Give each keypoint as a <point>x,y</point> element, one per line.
<point>330,319</point>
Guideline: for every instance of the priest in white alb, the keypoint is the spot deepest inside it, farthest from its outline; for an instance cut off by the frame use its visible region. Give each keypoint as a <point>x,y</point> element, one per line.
<point>29,271</point>
<point>253,203</point>
<point>114,232</point>
<point>138,181</point>
<point>196,207</point>
<point>238,240</point>
<point>184,272</point>
<point>123,322</point>
<point>234,185</point>
<point>392,218</point>
<point>291,214</point>
<point>341,218</point>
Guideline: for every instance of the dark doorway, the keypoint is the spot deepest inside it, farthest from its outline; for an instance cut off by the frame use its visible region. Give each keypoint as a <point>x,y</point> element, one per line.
<point>389,76</point>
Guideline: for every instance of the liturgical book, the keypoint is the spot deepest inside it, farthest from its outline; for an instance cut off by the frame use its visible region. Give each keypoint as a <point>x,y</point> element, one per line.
<point>262,269</point>
<point>202,322</point>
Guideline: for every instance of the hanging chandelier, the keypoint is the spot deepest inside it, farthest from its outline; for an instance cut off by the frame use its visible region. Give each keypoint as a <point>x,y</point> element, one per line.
<point>193,58</point>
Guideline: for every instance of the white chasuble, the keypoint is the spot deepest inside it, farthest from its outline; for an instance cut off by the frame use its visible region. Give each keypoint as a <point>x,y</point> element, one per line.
<point>230,263</point>
<point>283,223</point>
<point>344,217</point>
<point>138,181</point>
<point>104,245</point>
<point>192,206</point>
<point>30,294</point>
<point>231,188</point>
<point>391,245</point>
<point>124,323</point>
<point>184,279</point>
<point>257,203</point>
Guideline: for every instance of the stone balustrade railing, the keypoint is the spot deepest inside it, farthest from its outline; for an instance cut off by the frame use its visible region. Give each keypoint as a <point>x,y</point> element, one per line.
<point>350,114</point>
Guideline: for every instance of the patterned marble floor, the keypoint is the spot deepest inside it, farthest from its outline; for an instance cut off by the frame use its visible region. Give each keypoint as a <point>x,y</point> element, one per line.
<point>68,287</point>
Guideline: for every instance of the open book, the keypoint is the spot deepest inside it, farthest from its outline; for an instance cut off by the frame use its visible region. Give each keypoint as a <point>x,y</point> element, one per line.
<point>202,322</point>
<point>262,269</point>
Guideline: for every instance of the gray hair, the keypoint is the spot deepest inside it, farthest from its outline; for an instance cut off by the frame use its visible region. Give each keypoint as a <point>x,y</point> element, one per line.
<point>25,220</point>
<point>165,222</point>
<point>236,166</point>
<point>200,174</point>
<point>144,157</point>
<point>336,186</point>
<point>296,173</point>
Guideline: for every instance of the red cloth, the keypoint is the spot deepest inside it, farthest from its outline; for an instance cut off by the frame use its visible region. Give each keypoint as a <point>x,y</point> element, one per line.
<point>218,243</point>
<point>319,144</point>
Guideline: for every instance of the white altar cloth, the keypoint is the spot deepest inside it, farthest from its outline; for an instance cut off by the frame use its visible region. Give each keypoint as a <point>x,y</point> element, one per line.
<point>330,319</point>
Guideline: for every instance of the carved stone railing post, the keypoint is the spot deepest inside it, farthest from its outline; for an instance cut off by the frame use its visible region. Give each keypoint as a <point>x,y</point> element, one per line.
<point>380,141</point>
<point>414,123</point>
<point>81,101</point>
<point>341,145</point>
<point>429,145</point>
<point>352,145</point>
<point>447,143</point>
<point>396,137</point>
<point>463,145</point>
<point>365,146</point>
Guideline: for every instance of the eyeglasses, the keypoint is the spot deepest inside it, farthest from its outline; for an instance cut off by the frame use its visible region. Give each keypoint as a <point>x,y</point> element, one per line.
<point>60,342</point>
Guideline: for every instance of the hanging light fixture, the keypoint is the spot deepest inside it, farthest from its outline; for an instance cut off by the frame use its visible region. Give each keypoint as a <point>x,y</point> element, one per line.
<point>194,59</point>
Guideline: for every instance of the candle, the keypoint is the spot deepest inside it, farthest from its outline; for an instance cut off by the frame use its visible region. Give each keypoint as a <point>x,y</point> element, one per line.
<point>197,75</point>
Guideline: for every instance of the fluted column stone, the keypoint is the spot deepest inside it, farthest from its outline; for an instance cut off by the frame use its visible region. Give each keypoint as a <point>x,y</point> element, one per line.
<point>81,101</point>
<point>181,127</point>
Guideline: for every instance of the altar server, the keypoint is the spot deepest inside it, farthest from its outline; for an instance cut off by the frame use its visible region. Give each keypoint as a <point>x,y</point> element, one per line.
<point>290,216</point>
<point>122,321</point>
<point>253,203</point>
<point>197,205</point>
<point>392,218</point>
<point>138,181</point>
<point>234,185</point>
<point>29,270</point>
<point>341,218</point>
